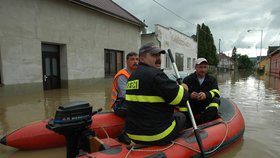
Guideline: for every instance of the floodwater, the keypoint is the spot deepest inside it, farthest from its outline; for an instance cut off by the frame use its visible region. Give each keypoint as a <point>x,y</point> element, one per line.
<point>258,98</point>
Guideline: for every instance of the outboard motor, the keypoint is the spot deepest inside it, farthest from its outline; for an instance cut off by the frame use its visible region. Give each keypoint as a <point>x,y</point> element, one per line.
<point>72,120</point>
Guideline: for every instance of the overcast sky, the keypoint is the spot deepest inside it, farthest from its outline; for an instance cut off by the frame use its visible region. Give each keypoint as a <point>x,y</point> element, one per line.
<point>228,20</point>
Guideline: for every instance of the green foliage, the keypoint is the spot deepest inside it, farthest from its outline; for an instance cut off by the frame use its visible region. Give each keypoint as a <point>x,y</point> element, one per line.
<point>241,61</point>
<point>233,54</point>
<point>206,46</point>
<point>210,71</point>
<point>244,62</point>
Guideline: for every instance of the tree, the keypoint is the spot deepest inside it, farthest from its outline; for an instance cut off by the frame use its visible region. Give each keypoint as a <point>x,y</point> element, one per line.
<point>244,62</point>
<point>206,46</point>
<point>233,54</point>
<point>241,61</point>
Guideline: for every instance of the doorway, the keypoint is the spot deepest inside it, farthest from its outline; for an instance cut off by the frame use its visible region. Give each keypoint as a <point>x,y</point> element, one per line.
<point>51,66</point>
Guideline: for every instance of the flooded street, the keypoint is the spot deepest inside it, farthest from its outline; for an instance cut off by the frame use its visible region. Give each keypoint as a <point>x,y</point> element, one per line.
<point>258,98</point>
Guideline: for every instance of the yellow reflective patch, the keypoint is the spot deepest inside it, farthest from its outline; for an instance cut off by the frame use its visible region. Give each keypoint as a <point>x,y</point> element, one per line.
<point>144,98</point>
<point>183,109</point>
<point>212,94</point>
<point>179,96</point>
<point>156,137</point>
<point>215,91</point>
<point>216,105</point>
<point>132,84</point>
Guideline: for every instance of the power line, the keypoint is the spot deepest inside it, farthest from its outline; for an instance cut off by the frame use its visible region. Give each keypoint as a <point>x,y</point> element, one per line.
<point>179,16</point>
<point>275,39</point>
<point>174,13</point>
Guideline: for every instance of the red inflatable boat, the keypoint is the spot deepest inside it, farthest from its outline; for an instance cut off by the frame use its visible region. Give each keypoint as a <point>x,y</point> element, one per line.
<point>216,135</point>
<point>37,136</point>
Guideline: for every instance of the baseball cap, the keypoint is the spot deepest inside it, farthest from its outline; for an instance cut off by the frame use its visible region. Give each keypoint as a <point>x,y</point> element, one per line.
<point>201,60</point>
<point>151,48</point>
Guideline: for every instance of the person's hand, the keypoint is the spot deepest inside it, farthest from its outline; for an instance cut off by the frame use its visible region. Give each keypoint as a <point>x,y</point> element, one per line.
<point>185,86</point>
<point>201,96</point>
<point>194,95</point>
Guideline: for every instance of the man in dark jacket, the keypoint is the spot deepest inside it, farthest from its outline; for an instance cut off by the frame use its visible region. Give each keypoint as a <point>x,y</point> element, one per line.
<point>204,92</point>
<point>151,97</point>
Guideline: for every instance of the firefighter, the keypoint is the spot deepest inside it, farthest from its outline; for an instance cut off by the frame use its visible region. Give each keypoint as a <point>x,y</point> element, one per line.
<point>151,97</point>
<point>205,94</point>
<point>119,84</point>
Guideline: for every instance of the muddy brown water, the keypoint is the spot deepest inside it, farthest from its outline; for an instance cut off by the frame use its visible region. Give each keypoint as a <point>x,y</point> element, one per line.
<point>258,98</point>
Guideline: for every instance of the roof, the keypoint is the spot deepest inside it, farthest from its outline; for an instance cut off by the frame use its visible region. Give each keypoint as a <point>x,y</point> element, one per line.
<point>272,49</point>
<point>171,28</point>
<point>148,34</point>
<point>275,51</point>
<point>110,8</point>
<point>222,55</point>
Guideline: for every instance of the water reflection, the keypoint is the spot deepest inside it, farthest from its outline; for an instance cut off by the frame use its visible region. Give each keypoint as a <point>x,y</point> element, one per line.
<point>258,98</point>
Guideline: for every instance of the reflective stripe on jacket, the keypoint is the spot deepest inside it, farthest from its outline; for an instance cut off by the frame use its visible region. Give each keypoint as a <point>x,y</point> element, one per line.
<point>151,97</point>
<point>114,95</point>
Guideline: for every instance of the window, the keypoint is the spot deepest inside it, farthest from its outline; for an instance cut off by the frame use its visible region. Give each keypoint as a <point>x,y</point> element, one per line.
<point>0,71</point>
<point>179,59</point>
<point>0,77</point>
<point>113,61</point>
<point>168,62</point>
<point>193,64</point>
<point>189,63</point>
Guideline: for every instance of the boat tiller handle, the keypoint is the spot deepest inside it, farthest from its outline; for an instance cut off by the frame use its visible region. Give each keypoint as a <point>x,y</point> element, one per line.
<point>196,132</point>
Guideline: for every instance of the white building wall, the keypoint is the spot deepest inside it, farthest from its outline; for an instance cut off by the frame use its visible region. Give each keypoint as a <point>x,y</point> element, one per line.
<point>82,33</point>
<point>178,43</point>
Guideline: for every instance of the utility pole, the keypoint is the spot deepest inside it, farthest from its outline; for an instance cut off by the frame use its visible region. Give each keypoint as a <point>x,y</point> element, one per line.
<point>260,43</point>
<point>219,45</point>
<point>197,32</point>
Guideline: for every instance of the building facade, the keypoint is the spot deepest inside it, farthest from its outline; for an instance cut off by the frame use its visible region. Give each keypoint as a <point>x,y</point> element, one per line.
<point>225,62</point>
<point>183,47</point>
<point>49,41</point>
<point>275,62</point>
<point>267,66</point>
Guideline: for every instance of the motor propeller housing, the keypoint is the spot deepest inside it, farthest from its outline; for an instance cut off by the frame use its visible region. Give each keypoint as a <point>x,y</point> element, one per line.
<point>72,120</point>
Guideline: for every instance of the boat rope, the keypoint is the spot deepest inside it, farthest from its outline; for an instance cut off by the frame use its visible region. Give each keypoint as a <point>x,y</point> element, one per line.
<point>235,114</point>
<point>186,146</point>
<point>226,134</point>
<point>107,135</point>
<point>226,124</point>
<point>149,150</point>
<point>174,142</point>
<point>207,152</point>
<point>222,142</point>
<point>104,130</point>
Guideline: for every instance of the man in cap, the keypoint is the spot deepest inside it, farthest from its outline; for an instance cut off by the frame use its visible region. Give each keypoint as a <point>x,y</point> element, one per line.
<point>119,84</point>
<point>151,97</point>
<point>205,94</point>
